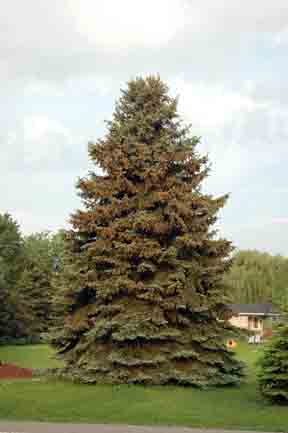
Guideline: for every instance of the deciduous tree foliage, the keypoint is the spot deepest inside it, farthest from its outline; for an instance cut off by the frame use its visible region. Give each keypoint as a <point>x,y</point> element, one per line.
<point>258,277</point>
<point>147,288</point>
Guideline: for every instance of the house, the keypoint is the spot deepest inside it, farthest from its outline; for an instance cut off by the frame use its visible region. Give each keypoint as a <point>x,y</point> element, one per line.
<point>257,318</point>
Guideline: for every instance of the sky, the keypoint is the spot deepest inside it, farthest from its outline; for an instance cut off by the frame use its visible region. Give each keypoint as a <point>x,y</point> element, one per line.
<point>63,63</point>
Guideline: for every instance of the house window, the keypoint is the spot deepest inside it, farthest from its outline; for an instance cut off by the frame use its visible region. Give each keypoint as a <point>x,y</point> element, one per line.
<point>256,323</point>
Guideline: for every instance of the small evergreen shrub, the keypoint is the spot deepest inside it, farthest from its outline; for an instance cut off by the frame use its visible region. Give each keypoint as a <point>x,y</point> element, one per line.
<point>273,374</point>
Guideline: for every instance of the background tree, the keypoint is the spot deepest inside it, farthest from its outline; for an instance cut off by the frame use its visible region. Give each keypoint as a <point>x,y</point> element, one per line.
<point>10,268</point>
<point>61,277</point>
<point>258,277</point>
<point>35,281</point>
<point>148,288</point>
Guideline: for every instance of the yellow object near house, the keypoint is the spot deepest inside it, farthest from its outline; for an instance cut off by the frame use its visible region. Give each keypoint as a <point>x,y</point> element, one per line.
<point>231,344</point>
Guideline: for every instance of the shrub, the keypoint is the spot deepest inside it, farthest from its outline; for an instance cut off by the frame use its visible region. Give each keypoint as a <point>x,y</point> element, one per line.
<point>273,374</point>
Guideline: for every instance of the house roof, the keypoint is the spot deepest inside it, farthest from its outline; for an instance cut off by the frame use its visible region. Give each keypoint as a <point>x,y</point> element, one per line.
<point>261,309</point>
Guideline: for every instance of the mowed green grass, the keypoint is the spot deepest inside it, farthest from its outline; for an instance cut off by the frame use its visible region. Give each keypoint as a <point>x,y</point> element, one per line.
<point>31,356</point>
<point>45,400</point>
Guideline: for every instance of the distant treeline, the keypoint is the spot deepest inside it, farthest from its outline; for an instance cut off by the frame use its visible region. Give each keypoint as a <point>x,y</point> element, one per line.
<point>258,277</point>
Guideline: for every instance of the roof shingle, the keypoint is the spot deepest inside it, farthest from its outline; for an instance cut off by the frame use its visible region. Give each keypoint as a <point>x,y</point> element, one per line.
<point>253,308</point>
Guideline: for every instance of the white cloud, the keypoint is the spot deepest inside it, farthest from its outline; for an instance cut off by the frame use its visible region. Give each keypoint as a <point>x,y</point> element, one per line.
<point>238,16</point>
<point>241,132</point>
<point>272,238</point>
<point>124,24</point>
<point>90,84</point>
<point>65,39</point>
<point>38,125</point>
<point>128,23</point>
<point>212,106</point>
<point>39,201</point>
<point>43,138</point>
<point>281,38</point>
<point>34,220</point>
<point>42,88</point>
<point>37,140</point>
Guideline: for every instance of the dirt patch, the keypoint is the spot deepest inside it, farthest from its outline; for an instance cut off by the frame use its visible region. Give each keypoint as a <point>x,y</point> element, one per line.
<point>10,371</point>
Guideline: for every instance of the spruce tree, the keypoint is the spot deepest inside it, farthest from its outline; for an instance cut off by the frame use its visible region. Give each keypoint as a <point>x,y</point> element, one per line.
<point>273,372</point>
<point>145,301</point>
<point>10,268</point>
<point>34,284</point>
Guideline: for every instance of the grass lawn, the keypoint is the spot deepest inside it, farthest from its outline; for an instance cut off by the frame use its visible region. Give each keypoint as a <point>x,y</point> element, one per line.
<point>42,400</point>
<point>33,356</point>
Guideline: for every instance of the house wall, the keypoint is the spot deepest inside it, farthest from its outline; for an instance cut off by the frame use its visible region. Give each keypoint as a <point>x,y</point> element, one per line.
<point>239,321</point>
<point>247,322</point>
